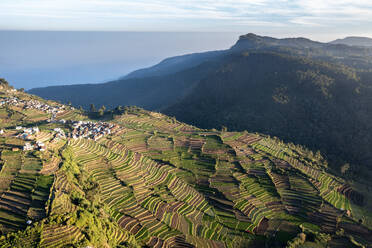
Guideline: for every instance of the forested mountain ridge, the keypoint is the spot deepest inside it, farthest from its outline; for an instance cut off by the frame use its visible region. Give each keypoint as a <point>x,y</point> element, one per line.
<point>319,93</point>
<point>354,41</point>
<point>175,64</point>
<point>134,178</point>
<point>157,92</point>
<point>148,81</point>
<point>343,54</point>
<point>296,99</point>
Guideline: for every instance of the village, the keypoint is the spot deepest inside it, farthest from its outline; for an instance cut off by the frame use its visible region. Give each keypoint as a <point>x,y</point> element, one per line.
<point>80,129</point>
<point>33,104</point>
<point>77,129</point>
<point>29,134</point>
<point>91,130</point>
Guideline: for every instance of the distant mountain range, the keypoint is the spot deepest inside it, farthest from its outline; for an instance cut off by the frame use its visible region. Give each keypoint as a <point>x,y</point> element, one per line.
<point>308,92</point>
<point>354,41</point>
<point>154,87</point>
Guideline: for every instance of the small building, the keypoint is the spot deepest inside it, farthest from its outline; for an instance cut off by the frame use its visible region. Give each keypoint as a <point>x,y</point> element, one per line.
<point>28,147</point>
<point>25,136</point>
<point>27,130</point>
<point>39,143</point>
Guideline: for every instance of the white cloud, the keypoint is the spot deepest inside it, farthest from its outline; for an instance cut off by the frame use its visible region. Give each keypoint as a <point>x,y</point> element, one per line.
<point>62,14</point>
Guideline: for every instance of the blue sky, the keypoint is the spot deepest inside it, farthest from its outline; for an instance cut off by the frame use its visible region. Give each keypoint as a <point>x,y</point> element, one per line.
<point>317,19</point>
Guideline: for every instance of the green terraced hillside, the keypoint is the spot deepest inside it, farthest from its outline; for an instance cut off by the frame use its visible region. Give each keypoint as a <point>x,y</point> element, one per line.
<point>142,179</point>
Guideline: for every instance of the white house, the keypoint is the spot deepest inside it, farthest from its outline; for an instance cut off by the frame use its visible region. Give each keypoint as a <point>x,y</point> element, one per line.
<point>28,147</point>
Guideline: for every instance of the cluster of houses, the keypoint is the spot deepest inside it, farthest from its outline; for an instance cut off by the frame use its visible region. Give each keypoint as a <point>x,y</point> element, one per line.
<point>10,101</point>
<point>81,129</point>
<point>59,133</point>
<point>27,132</point>
<point>33,144</point>
<point>11,91</point>
<point>91,130</point>
<point>33,104</point>
<point>38,145</point>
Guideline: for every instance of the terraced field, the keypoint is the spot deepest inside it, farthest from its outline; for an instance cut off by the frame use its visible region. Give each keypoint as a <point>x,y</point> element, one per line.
<point>24,190</point>
<point>156,182</point>
<point>176,211</point>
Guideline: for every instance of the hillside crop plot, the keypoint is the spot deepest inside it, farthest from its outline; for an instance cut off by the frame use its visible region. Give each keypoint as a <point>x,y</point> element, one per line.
<point>157,182</point>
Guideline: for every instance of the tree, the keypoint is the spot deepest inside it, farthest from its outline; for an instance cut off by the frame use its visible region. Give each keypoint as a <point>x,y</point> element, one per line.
<point>3,81</point>
<point>101,111</point>
<point>92,108</point>
<point>119,109</point>
<point>345,168</point>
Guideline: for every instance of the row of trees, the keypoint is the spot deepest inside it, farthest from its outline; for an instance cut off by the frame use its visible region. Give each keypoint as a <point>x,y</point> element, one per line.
<point>102,111</point>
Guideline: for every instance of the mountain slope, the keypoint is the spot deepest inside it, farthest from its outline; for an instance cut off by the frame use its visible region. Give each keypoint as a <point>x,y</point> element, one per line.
<point>324,106</point>
<point>153,181</point>
<point>251,40</point>
<point>155,92</point>
<point>174,76</point>
<point>175,64</point>
<point>337,77</point>
<point>354,41</point>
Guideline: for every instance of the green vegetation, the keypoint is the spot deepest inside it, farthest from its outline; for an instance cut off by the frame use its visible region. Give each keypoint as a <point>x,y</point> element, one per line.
<point>156,182</point>
<point>302,91</point>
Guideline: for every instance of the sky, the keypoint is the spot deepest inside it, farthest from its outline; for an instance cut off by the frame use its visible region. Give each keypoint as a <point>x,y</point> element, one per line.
<point>317,19</point>
<point>43,58</point>
<point>50,42</point>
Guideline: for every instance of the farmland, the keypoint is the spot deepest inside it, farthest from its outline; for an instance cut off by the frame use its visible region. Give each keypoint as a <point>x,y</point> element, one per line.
<point>157,182</point>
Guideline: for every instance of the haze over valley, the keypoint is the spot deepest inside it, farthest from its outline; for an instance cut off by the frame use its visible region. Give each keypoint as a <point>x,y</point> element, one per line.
<point>32,59</point>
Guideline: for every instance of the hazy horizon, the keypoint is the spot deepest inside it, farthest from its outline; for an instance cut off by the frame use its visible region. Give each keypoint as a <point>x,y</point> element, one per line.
<point>30,59</point>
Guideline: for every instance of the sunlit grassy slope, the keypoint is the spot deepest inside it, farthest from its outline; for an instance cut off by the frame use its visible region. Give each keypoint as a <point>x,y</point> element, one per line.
<point>157,182</point>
